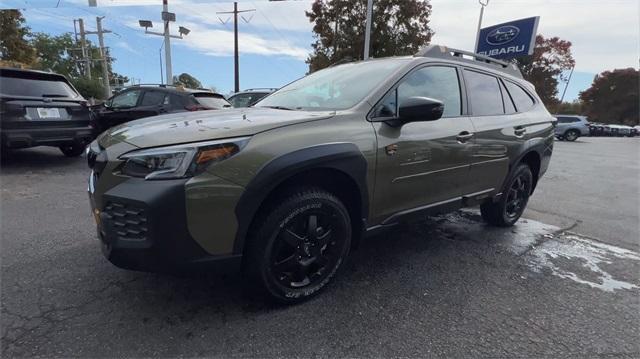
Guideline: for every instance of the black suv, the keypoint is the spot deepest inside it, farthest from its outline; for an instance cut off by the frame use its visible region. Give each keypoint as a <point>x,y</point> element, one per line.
<point>40,108</point>
<point>249,97</point>
<point>150,100</point>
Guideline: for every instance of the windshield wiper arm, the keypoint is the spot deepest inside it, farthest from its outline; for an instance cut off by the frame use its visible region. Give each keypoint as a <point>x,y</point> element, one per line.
<point>278,107</point>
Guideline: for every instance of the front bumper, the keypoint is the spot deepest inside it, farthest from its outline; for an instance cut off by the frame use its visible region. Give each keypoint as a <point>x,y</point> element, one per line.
<point>142,225</point>
<point>57,136</point>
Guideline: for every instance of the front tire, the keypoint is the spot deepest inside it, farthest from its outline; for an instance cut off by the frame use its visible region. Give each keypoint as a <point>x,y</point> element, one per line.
<point>298,245</point>
<point>72,150</point>
<point>571,135</point>
<point>515,196</point>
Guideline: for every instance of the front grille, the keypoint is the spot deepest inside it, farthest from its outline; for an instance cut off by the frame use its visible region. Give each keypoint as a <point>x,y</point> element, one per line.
<point>128,221</point>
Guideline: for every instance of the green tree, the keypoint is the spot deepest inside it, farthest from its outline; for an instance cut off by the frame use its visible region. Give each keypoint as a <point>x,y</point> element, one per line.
<point>613,97</point>
<point>187,80</point>
<point>400,27</point>
<point>545,68</point>
<point>52,53</point>
<point>89,88</point>
<point>13,38</point>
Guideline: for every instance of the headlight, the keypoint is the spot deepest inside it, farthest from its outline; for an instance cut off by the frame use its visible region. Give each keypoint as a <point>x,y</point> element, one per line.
<point>179,161</point>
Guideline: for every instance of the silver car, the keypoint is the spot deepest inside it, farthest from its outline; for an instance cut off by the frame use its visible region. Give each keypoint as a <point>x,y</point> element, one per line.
<point>570,127</point>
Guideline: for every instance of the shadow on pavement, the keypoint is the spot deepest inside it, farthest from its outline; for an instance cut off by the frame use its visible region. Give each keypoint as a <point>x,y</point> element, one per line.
<point>36,158</point>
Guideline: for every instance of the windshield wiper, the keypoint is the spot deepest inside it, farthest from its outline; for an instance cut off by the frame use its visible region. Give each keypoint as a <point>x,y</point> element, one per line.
<point>52,95</point>
<point>278,107</point>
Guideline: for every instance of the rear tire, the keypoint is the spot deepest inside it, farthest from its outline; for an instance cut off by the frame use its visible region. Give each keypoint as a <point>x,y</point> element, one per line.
<point>571,135</point>
<point>72,150</point>
<point>298,245</point>
<point>515,195</point>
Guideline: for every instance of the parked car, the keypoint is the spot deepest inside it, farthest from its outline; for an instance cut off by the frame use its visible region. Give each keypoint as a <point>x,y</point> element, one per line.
<point>286,188</point>
<point>621,130</point>
<point>570,127</point>
<point>42,109</point>
<point>249,97</point>
<point>141,101</point>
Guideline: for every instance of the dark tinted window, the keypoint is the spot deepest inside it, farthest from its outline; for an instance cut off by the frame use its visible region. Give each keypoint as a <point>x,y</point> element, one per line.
<point>246,99</point>
<point>436,82</point>
<point>388,106</point>
<point>506,99</point>
<point>15,86</point>
<point>126,99</point>
<point>152,98</point>
<point>211,100</point>
<point>484,93</point>
<point>563,119</point>
<point>520,97</point>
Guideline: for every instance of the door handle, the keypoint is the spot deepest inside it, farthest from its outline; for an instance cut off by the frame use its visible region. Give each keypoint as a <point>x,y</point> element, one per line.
<point>464,136</point>
<point>519,131</point>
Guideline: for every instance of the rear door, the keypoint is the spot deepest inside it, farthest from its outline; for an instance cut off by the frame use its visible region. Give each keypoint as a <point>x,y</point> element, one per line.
<point>502,126</point>
<point>422,163</point>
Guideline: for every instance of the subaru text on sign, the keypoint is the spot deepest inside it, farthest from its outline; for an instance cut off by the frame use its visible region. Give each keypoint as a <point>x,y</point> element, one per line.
<point>508,40</point>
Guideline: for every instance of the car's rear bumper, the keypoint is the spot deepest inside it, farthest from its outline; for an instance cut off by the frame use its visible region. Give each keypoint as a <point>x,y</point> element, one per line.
<point>142,225</point>
<point>30,137</point>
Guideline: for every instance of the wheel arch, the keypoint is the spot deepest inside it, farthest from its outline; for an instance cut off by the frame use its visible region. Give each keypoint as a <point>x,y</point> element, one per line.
<point>339,168</point>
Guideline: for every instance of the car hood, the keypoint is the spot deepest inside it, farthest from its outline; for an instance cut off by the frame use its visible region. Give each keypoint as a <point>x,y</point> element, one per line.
<point>197,126</point>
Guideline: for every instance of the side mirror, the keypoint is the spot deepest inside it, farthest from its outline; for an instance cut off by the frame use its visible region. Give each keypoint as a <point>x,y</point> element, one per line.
<point>416,109</point>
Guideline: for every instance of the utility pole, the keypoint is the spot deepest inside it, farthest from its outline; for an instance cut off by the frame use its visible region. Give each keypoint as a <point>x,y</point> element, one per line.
<point>567,84</point>
<point>236,58</point>
<point>167,41</point>
<point>482,3</point>
<point>367,33</point>
<point>103,54</point>
<point>167,17</point>
<point>83,45</point>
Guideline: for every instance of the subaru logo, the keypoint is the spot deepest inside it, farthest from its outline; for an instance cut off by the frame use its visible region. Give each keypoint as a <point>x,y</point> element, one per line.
<point>502,35</point>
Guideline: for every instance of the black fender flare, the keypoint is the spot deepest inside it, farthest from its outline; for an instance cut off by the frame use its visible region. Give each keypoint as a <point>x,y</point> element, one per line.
<point>344,157</point>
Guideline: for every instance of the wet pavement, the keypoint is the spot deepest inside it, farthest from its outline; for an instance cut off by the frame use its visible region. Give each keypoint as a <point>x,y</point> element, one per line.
<point>448,286</point>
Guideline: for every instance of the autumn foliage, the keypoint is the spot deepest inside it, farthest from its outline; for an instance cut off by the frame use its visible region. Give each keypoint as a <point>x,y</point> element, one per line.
<point>613,97</point>
<point>547,66</point>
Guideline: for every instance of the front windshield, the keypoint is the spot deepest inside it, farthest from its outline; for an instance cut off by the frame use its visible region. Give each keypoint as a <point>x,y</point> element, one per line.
<point>334,88</point>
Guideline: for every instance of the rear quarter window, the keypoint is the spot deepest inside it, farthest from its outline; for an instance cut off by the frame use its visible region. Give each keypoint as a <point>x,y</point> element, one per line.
<point>520,97</point>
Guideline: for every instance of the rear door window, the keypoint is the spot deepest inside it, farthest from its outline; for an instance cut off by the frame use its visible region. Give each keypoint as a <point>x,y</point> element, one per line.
<point>153,98</point>
<point>15,86</point>
<point>484,93</point>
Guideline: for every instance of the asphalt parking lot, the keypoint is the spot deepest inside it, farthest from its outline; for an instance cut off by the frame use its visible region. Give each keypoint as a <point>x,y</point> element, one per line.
<point>563,282</point>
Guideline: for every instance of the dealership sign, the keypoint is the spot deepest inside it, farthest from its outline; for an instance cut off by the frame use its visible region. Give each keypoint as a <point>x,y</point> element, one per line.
<point>508,40</point>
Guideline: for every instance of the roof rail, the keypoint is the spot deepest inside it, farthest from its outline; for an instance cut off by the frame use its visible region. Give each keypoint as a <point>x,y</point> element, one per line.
<point>158,85</point>
<point>261,88</point>
<point>439,51</point>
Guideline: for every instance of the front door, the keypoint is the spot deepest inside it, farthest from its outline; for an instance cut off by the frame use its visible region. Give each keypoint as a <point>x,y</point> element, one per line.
<point>422,163</point>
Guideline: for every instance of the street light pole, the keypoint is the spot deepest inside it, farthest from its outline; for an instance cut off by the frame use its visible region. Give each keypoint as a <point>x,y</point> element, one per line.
<point>167,44</point>
<point>183,31</point>
<point>483,3</point>
<point>367,33</point>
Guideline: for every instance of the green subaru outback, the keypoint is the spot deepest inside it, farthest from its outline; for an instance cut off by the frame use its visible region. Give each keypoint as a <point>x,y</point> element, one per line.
<point>286,188</point>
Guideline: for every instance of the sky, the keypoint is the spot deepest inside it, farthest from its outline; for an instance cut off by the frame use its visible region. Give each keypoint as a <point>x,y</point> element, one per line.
<point>276,38</point>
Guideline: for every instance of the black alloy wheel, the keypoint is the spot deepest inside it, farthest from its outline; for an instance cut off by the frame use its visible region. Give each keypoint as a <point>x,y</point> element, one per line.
<point>299,244</point>
<point>506,211</point>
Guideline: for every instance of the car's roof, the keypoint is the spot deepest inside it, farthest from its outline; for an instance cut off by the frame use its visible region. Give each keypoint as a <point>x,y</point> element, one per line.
<point>31,73</point>
<point>173,89</point>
